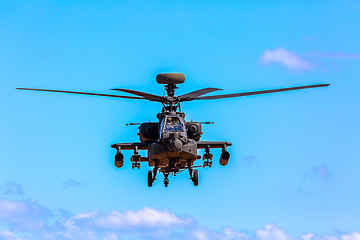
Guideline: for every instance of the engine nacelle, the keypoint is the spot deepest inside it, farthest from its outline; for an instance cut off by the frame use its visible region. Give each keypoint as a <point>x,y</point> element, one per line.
<point>148,132</point>
<point>193,130</point>
<point>224,158</point>
<point>119,160</point>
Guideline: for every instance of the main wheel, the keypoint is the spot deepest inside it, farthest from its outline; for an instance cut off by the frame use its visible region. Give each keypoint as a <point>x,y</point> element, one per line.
<point>150,178</point>
<point>195,178</point>
<point>166,182</point>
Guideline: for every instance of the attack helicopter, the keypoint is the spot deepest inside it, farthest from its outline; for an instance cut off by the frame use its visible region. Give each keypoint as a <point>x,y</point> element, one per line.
<point>172,143</point>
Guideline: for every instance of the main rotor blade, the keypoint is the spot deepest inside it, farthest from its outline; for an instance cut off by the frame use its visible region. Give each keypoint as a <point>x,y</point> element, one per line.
<point>200,92</point>
<point>148,96</point>
<point>259,92</point>
<point>84,93</point>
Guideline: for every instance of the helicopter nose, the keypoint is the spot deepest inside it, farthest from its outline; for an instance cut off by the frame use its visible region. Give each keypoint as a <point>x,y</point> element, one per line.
<point>176,144</point>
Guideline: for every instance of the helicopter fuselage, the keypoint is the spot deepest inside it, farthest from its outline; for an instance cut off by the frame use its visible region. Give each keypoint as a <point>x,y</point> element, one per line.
<point>171,145</point>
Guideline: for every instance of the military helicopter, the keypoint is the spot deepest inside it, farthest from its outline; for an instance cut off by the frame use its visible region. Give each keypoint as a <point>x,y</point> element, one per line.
<point>172,143</point>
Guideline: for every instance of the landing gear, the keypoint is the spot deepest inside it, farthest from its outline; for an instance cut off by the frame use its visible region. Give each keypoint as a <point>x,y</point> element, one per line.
<point>195,177</point>
<point>166,180</point>
<point>152,174</point>
<point>172,169</point>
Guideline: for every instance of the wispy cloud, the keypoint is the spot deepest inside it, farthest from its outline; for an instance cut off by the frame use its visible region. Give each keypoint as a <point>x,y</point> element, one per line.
<point>13,188</point>
<point>297,191</point>
<point>287,58</point>
<point>72,183</point>
<point>7,235</point>
<point>316,54</point>
<point>28,218</point>
<point>310,60</point>
<point>249,160</point>
<point>320,172</point>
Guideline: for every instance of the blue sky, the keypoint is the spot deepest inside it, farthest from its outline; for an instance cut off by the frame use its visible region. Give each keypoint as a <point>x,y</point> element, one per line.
<point>293,171</point>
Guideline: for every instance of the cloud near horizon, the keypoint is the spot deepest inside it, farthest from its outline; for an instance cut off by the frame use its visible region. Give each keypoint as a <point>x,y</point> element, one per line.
<point>287,58</point>
<point>28,218</point>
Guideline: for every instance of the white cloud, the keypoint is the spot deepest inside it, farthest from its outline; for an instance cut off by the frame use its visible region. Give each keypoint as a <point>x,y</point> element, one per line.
<point>74,231</point>
<point>146,217</point>
<point>352,236</point>
<point>271,232</point>
<point>232,234</point>
<point>200,234</point>
<point>289,59</point>
<point>309,236</point>
<point>28,218</point>
<point>86,215</point>
<point>292,61</point>
<point>227,233</point>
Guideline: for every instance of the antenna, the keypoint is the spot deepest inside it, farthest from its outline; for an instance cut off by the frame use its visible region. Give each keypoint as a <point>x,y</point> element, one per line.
<point>132,124</point>
<point>207,122</point>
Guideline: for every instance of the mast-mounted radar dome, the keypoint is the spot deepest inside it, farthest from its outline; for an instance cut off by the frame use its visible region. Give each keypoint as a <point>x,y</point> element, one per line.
<point>170,78</point>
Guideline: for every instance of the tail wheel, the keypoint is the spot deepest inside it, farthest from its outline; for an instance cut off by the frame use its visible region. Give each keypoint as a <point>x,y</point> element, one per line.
<point>195,178</point>
<point>150,179</point>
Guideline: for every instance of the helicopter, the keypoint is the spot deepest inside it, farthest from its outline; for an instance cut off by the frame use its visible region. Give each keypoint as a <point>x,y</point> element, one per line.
<point>172,143</point>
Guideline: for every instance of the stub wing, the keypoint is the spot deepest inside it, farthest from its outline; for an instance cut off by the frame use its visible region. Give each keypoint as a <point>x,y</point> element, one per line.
<point>144,145</point>
<point>213,144</point>
<point>131,146</point>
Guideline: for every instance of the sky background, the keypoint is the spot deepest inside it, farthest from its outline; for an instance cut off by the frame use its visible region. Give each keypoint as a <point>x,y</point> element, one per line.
<point>294,166</point>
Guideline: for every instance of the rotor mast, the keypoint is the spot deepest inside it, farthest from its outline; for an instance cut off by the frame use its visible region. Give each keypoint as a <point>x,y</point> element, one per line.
<point>170,80</point>
<point>172,103</point>
<point>170,89</point>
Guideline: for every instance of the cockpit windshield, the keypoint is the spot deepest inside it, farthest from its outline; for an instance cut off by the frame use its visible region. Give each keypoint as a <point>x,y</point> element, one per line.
<point>173,124</point>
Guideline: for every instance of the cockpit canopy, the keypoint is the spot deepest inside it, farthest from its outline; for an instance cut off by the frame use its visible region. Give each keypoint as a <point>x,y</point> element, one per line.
<point>173,124</point>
